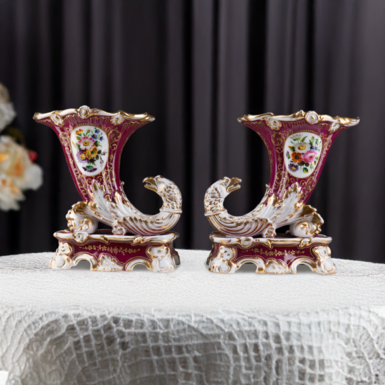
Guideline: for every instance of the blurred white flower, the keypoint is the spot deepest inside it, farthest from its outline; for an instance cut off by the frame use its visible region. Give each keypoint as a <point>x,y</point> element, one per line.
<point>7,112</point>
<point>17,170</point>
<point>17,173</point>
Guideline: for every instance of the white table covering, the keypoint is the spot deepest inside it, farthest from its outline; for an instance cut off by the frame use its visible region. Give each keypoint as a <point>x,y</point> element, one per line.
<point>190,326</point>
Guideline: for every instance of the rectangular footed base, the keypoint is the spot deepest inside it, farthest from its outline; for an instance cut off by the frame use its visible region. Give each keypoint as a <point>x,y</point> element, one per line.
<point>278,255</point>
<point>108,252</point>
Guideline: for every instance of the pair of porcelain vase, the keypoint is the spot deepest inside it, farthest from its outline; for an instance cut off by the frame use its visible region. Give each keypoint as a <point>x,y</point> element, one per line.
<point>93,140</point>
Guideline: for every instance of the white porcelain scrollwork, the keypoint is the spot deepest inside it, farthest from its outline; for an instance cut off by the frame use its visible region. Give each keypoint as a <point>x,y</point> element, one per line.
<point>312,117</point>
<point>79,221</point>
<point>162,259</point>
<point>276,267</point>
<point>84,111</point>
<point>122,216</point>
<point>57,119</point>
<point>62,259</point>
<point>272,213</point>
<point>222,262</point>
<point>304,229</point>
<point>325,264</point>
<point>107,263</point>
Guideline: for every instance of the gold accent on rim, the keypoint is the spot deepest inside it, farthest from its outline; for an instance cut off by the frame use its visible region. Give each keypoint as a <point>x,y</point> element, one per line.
<point>85,112</point>
<point>275,121</point>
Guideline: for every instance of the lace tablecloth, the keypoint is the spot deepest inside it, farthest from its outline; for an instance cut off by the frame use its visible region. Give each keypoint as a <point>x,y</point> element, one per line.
<point>190,326</point>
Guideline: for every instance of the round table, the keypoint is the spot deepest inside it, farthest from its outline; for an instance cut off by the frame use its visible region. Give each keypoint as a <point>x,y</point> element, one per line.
<point>190,326</point>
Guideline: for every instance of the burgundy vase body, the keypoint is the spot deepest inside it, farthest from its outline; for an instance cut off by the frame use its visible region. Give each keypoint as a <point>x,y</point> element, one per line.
<point>275,139</point>
<point>114,129</point>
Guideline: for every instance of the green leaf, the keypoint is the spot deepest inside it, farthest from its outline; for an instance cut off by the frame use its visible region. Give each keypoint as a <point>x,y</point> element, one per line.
<point>78,137</point>
<point>99,152</point>
<point>296,138</point>
<point>301,164</point>
<point>88,132</point>
<point>292,148</point>
<point>305,170</point>
<point>97,157</point>
<point>303,139</point>
<point>306,164</point>
<point>89,167</point>
<point>288,156</point>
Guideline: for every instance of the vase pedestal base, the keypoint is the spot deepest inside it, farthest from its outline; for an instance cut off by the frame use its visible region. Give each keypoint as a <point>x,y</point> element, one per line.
<point>108,252</point>
<point>278,255</point>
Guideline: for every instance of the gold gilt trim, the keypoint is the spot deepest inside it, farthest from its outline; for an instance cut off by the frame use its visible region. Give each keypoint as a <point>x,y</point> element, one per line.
<point>65,235</point>
<point>217,238</point>
<point>115,250</point>
<point>139,262</point>
<point>275,121</point>
<point>85,112</point>
<point>81,256</point>
<point>303,261</point>
<point>258,262</point>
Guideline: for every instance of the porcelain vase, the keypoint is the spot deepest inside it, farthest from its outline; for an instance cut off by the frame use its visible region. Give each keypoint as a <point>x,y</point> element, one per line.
<point>92,141</point>
<point>298,145</point>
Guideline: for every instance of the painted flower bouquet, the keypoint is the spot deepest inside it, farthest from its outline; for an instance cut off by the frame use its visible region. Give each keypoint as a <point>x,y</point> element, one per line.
<point>17,170</point>
<point>302,154</point>
<point>90,149</point>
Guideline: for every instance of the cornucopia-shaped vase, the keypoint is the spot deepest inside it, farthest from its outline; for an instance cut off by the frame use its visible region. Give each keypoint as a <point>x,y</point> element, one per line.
<point>92,141</point>
<point>298,146</point>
